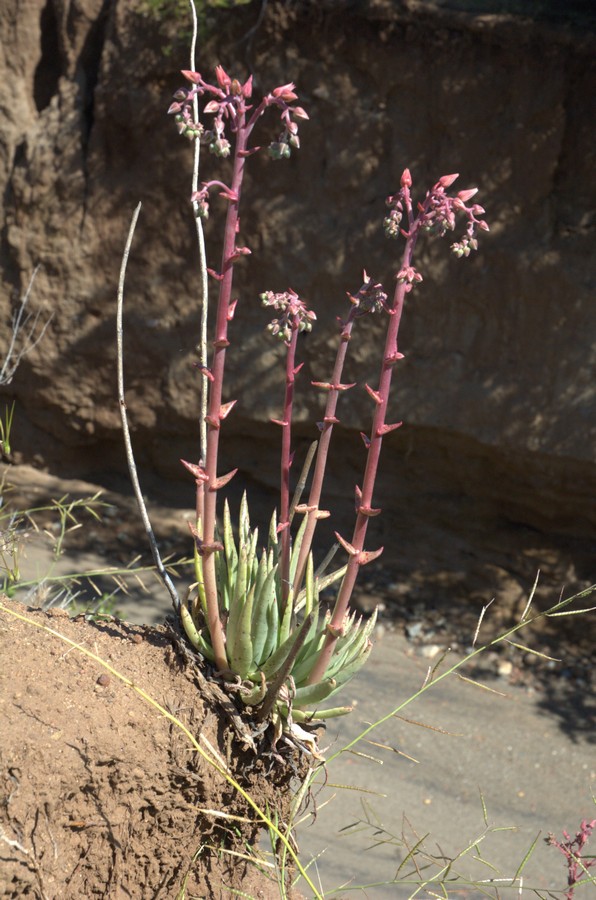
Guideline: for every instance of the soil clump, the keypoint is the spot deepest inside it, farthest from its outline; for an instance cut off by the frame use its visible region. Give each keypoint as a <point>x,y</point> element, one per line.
<point>101,794</point>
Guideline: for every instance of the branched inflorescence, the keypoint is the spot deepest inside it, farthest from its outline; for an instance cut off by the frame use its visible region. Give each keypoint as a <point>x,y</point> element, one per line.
<point>573,851</point>
<point>256,615</point>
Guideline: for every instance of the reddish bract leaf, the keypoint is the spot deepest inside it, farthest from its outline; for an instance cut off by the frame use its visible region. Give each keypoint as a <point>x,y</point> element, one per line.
<point>225,409</point>
<point>223,480</point>
<point>368,556</point>
<point>369,511</point>
<point>374,394</point>
<point>198,471</point>
<point>349,548</point>
<point>385,429</point>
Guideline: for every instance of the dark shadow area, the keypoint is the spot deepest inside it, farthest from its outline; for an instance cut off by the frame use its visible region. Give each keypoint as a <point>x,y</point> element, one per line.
<point>49,67</point>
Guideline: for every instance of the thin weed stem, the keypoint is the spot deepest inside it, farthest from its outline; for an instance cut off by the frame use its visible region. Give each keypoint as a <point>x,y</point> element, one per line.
<point>132,468</point>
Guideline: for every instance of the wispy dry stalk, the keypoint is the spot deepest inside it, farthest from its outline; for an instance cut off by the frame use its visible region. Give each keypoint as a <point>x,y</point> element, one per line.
<point>132,468</point>
<point>26,333</point>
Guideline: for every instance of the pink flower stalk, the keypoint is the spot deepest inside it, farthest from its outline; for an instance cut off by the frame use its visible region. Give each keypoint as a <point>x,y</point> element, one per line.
<point>436,214</point>
<point>369,298</point>
<point>233,123</point>
<point>296,317</point>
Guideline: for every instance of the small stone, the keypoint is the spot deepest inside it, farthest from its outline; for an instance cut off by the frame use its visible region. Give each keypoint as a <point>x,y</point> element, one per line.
<point>429,651</point>
<point>365,603</point>
<point>414,630</point>
<point>504,668</point>
<point>103,680</point>
<point>136,638</point>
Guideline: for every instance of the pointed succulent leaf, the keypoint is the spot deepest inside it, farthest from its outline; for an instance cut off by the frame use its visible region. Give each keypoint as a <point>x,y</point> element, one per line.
<point>240,653</point>
<point>285,626</point>
<point>262,615</point>
<point>272,631</point>
<point>244,520</point>
<point>302,669</point>
<point>325,580</point>
<point>315,716</point>
<point>229,543</point>
<point>273,540</point>
<point>316,634</point>
<point>310,599</point>
<point>221,576</point>
<point>194,636</point>
<point>237,598</point>
<point>274,663</point>
<point>313,693</point>
<point>199,580</point>
<point>296,549</point>
<point>260,574</point>
<point>348,671</point>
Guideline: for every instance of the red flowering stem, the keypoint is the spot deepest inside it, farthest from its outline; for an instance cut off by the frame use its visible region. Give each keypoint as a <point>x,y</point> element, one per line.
<point>329,420</point>
<point>357,557</point>
<point>215,398</point>
<point>286,462</point>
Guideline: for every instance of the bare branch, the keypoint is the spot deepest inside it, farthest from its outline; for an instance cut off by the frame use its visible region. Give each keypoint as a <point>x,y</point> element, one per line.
<point>132,468</point>
<point>24,331</point>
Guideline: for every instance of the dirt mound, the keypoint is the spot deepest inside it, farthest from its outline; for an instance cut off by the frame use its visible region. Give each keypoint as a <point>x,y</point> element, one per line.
<point>101,795</point>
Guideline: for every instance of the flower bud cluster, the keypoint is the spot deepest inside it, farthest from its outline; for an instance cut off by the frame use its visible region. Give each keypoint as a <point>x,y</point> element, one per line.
<point>201,198</point>
<point>464,247</point>
<point>410,276</point>
<point>282,148</point>
<point>288,139</point>
<point>436,215</point>
<point>295,314</point>
<point>370,298</point>
<point>392,221</point>
<point>227,99</point>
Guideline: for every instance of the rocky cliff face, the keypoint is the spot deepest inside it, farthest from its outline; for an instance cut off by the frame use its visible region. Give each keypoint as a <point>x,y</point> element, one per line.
<point>497,389</point>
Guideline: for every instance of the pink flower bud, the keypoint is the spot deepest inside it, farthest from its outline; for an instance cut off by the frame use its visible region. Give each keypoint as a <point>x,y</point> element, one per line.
<point>211,107</point>
<point>464,196</point>
<point>285,92</point>
<point>193,77</point>
<point>223,79</point>
<point>447,180</point>
<point>406,179</point>
<point>299,113</point>
<point>247,88</point>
